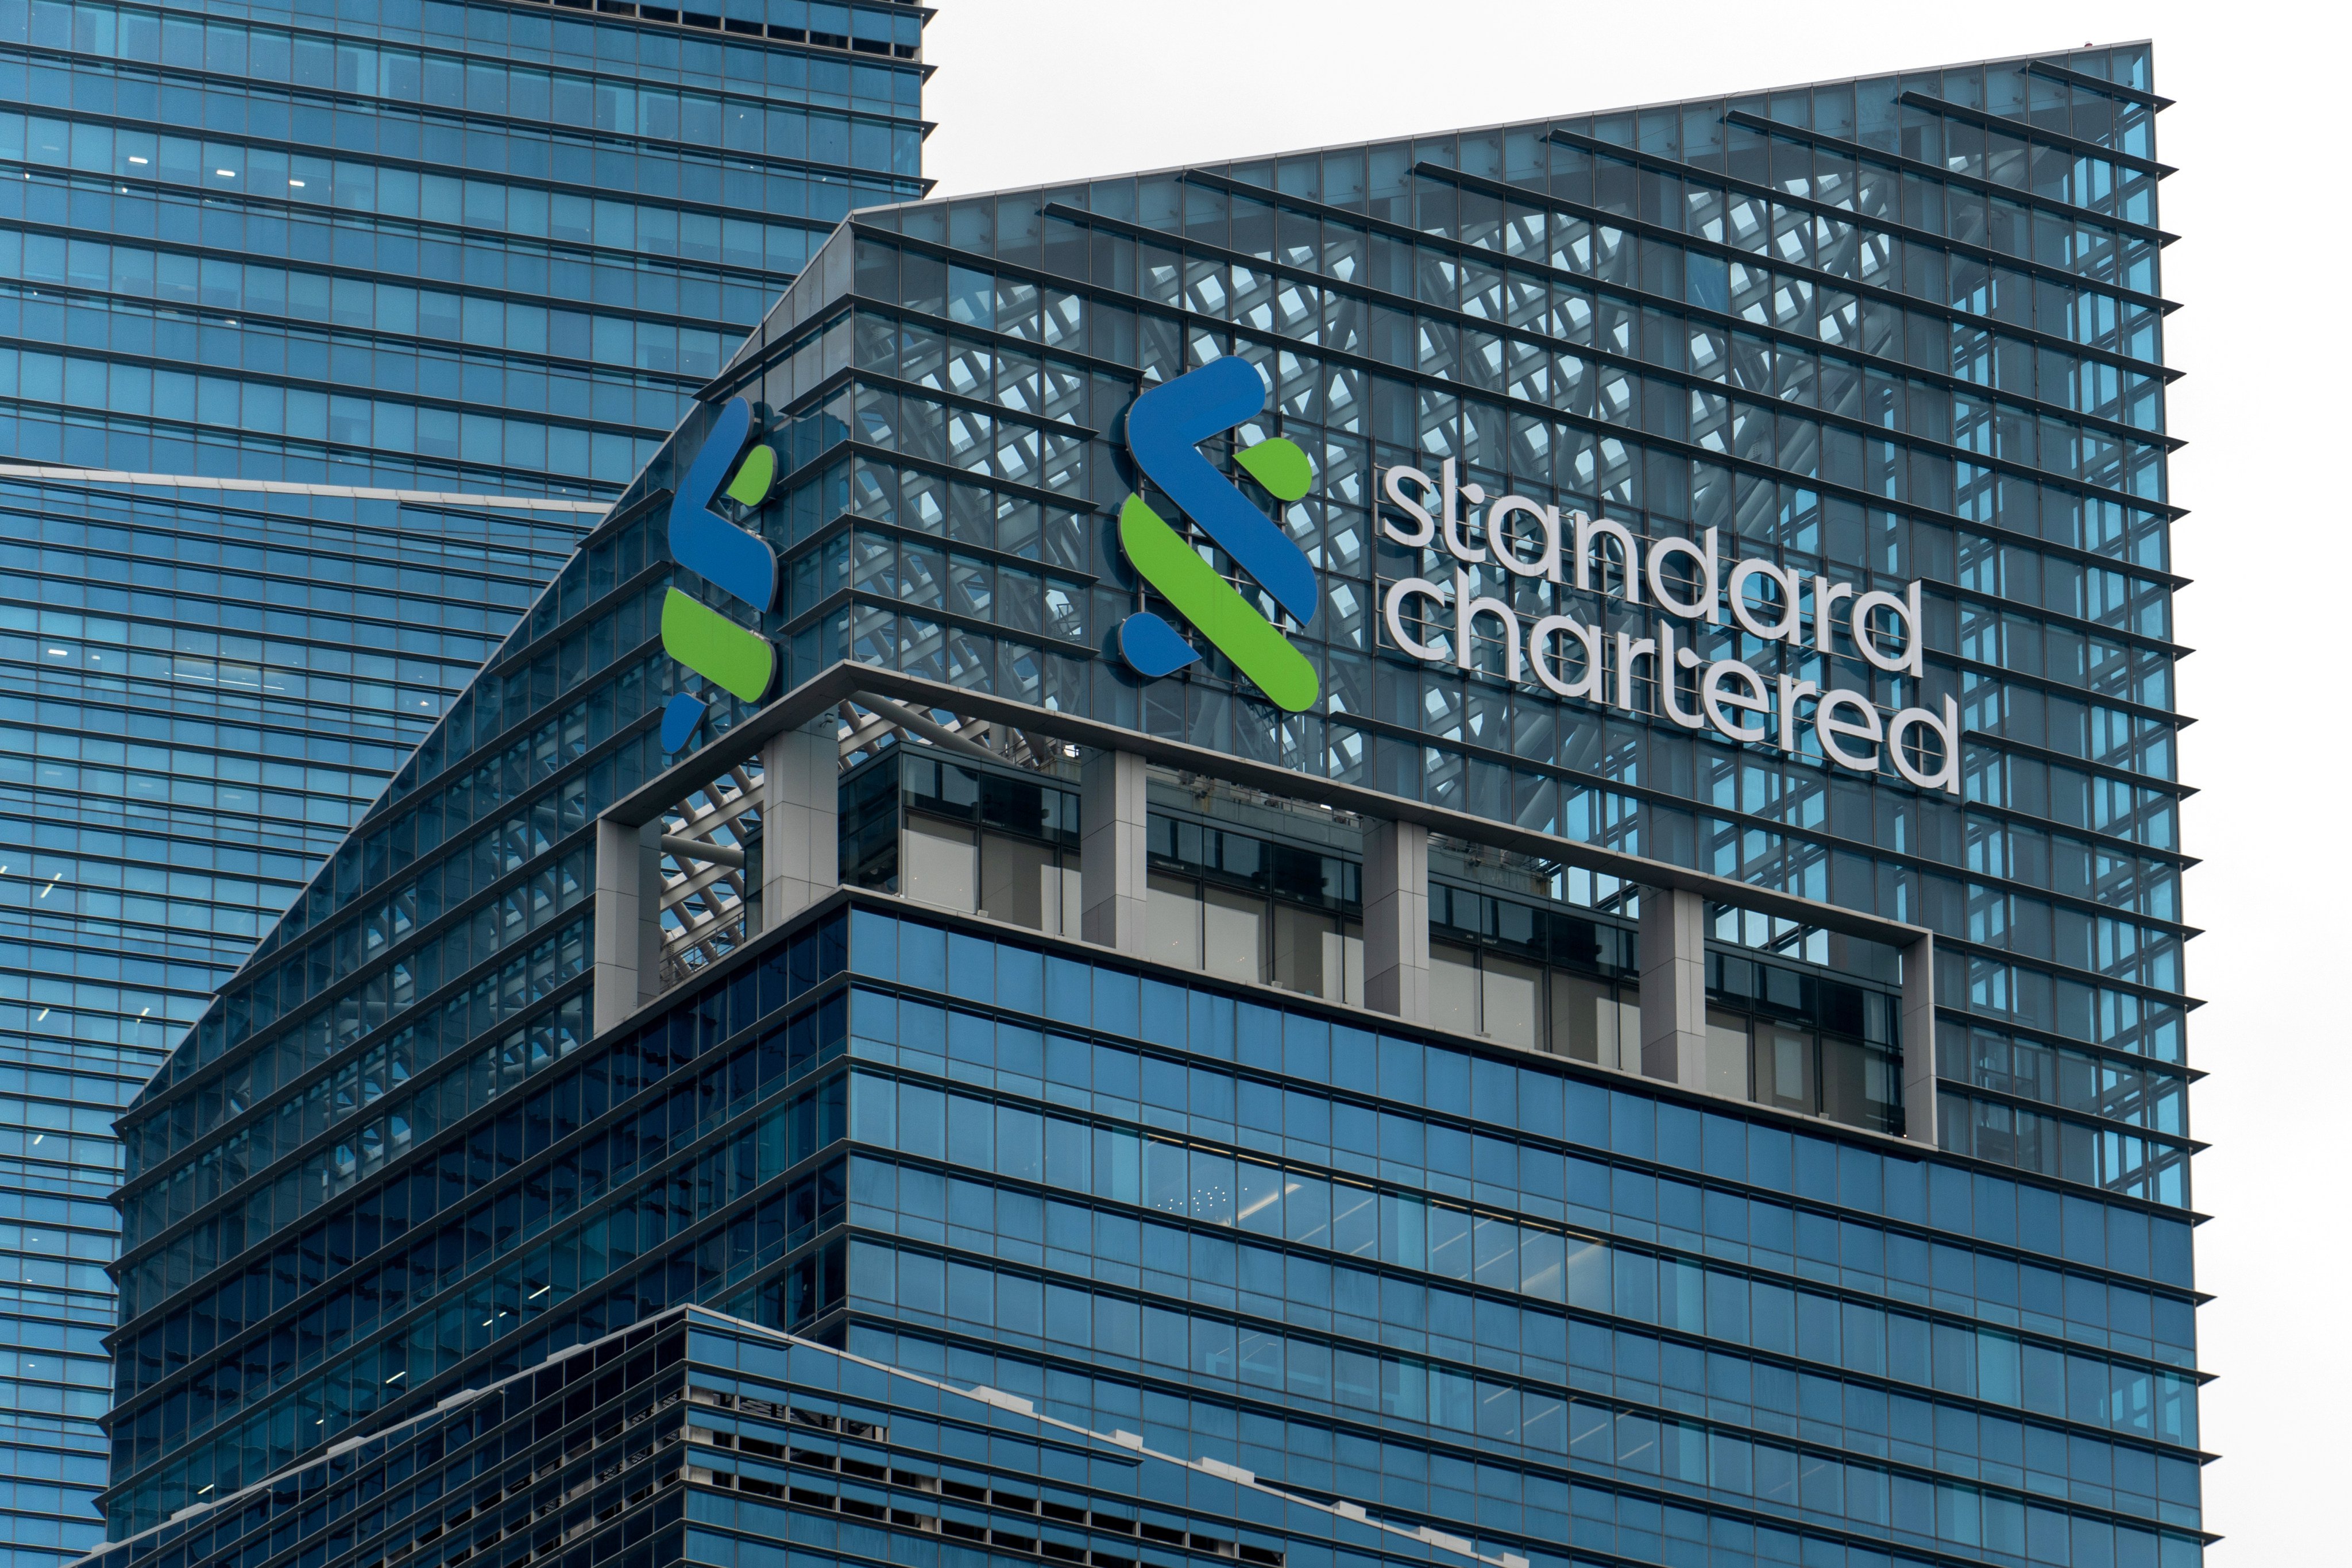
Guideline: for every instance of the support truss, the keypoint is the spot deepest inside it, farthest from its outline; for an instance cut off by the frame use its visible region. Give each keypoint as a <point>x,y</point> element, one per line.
<point>704,915</point>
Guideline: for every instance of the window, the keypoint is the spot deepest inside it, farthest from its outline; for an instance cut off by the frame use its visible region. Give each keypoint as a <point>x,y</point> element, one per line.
<point>1809,1043</point>
<point>1859,1086</point>
<point>1481,992</point>
<point>1241,935</point>
<point>1253,909</point>
<point>1531,972</point>
<point>983,843</point>
<point>1804,1070</point>
<point>1232,934</point>
<point>1454,988</point>
<point>942,865</point>
<point>1785,1068</point>
<point>1172,921</point>
<point>1318,955</point>
<point>1594,1021</point>
<point>1026,883</point>
<point>1511,1000</point>
<point>1727,1053</point>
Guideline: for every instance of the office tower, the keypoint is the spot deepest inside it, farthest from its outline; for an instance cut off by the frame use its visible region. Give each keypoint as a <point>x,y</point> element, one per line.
<point>1409,851</point>
<point>327,330</point>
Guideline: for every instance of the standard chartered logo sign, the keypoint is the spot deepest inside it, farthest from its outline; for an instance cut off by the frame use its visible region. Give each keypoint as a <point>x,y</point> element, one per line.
<point>1559,568</point>
<point>727,655</point>
<point>1542,553</point>
<point>1164,429</point>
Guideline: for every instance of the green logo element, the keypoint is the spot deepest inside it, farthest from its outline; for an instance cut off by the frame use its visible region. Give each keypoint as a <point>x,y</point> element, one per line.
<point>732,657</point>
<point>1164,429</point>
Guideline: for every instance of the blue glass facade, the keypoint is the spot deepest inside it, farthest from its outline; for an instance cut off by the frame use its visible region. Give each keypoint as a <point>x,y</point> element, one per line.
<point>1849,330</point>
<point>1350,1260</point>
<point>1499,1276</point>
<point>419,250</point>
<point>204,687</point>
<point>462,247</point>
<point>1098,1048</point>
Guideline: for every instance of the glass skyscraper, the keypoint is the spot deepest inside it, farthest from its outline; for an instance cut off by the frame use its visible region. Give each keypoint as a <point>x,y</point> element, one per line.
<point>205,689</point>
<point>1663,1045</point>
<point>325,331</point>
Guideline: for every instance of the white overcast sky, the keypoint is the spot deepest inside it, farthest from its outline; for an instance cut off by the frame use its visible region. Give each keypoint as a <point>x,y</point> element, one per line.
<point>1034,90</point>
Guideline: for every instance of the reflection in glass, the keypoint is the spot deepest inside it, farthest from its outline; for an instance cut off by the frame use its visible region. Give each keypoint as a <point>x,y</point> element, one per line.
<point>1784,1067</point>
<point>1860,1085</point>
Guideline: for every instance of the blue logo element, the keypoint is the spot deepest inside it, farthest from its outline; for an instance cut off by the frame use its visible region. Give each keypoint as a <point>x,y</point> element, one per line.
<point>1164,429</point>
<point>729,558</point>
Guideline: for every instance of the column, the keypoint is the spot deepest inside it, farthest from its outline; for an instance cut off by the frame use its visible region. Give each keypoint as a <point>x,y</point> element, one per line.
<point>1674,986</point>
<point>628,919</point>
<point>1113,870</point>
<point>800,821</point>
<point>1920,1041</point>
<point>1396,919</point>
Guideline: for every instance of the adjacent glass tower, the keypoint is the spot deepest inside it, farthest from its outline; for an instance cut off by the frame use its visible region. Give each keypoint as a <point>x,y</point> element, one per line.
<point>323,330</point>
<point>978,1101</point>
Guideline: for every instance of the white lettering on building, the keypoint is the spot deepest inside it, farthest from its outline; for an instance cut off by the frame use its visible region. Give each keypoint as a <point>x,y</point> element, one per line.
<point>1683,581</point>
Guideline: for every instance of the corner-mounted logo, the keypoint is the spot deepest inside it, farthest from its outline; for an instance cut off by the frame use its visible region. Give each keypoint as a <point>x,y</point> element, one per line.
<point>1164,429</point>
<point>723,653</point>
